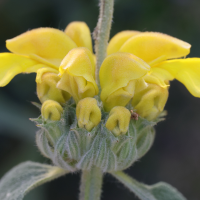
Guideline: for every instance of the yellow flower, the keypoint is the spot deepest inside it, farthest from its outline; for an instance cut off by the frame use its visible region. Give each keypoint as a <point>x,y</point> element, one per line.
<point>42,51</point>
<point>119,74</point>
<point>77,72</point>
<point>150,102</point>
<point>47,80</point>
<point>138,67</point>
<point>150,46</point>
<point>160,52</point>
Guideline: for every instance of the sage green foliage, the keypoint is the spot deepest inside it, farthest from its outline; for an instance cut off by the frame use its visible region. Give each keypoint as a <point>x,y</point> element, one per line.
<point>159,191</point>
<point>26,176</point>
<point>74,148</point>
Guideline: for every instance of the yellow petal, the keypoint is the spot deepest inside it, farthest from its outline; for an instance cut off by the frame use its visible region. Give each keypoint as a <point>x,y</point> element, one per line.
<point>159,77</point>
<point>120,97</point>
<point>53,63</point>
<point>123,95</point>
<point>79,32</point>
<point>118,40</point>
<point>150,102</point>
<point>151,46</point>
<point>118,120</point>
<point>47,80</point>
<point>42,71</point>
<point>88,113</point>
<point>141,84</point>
<point>117,72</point>
<point>187,71</point>
<point>77,72</point>
<point>11,65</point>
<point>47,44</point>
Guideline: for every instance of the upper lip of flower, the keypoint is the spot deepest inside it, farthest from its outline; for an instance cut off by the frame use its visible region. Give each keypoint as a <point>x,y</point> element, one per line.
<point>77,72</point>
<point>42,47</point>
<point>149,46</point>
<point>160,51</point>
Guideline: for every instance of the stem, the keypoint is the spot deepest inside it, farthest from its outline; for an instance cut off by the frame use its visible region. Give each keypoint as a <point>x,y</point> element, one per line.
<point>91,182</point>
<point>102,32</point>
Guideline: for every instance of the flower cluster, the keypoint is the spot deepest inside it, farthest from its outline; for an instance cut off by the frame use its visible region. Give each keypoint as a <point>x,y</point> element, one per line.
<point>136,72</point>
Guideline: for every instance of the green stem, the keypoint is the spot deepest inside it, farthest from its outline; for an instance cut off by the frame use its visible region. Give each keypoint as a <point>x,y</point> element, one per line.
<point>102,33</point>
<point>91,182</point>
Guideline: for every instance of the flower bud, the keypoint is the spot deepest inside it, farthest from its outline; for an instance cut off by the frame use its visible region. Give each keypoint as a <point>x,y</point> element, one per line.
<point>51,110</point>
<point>118,121</point>
<point>46,86</point>
<point>150,46</point>
<point>150,102</point>
<point>88,113</point>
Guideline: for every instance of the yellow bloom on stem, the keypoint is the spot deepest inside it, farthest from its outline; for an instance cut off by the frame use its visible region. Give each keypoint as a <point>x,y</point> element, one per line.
<point>155,49</point>
<point>47,80</point>
<point>119,74</point>
<point>150,102</point>
<point>77,72</point>
<point>43,48</point>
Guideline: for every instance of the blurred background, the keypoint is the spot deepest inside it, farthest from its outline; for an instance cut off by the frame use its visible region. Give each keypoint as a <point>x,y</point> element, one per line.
<point>175,155</point>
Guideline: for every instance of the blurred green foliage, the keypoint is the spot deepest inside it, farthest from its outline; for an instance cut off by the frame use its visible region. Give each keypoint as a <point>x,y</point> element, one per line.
<point>174,158</point>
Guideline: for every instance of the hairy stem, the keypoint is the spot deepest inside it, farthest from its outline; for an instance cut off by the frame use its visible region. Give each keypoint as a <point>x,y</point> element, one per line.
<point>91,182</point>
<point>102,32</point>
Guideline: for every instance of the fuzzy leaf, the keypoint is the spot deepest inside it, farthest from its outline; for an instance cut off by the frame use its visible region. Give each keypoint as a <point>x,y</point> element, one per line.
<point>26,176</point>
<point>159,191</point>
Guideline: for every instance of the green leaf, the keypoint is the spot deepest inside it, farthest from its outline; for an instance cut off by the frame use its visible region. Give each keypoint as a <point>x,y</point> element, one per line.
<point>26,176</point>
<point>159,191</point>
<point>165,191</point>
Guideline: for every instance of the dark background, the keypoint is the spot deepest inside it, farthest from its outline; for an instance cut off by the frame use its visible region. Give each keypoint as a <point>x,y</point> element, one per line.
<point>174,157</point>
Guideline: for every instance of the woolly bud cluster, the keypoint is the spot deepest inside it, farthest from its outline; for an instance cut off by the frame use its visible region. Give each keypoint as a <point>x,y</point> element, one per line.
<point>69,144</point>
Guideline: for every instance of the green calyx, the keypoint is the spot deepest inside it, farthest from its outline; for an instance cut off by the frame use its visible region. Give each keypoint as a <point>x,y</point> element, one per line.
<point>74,148</point>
